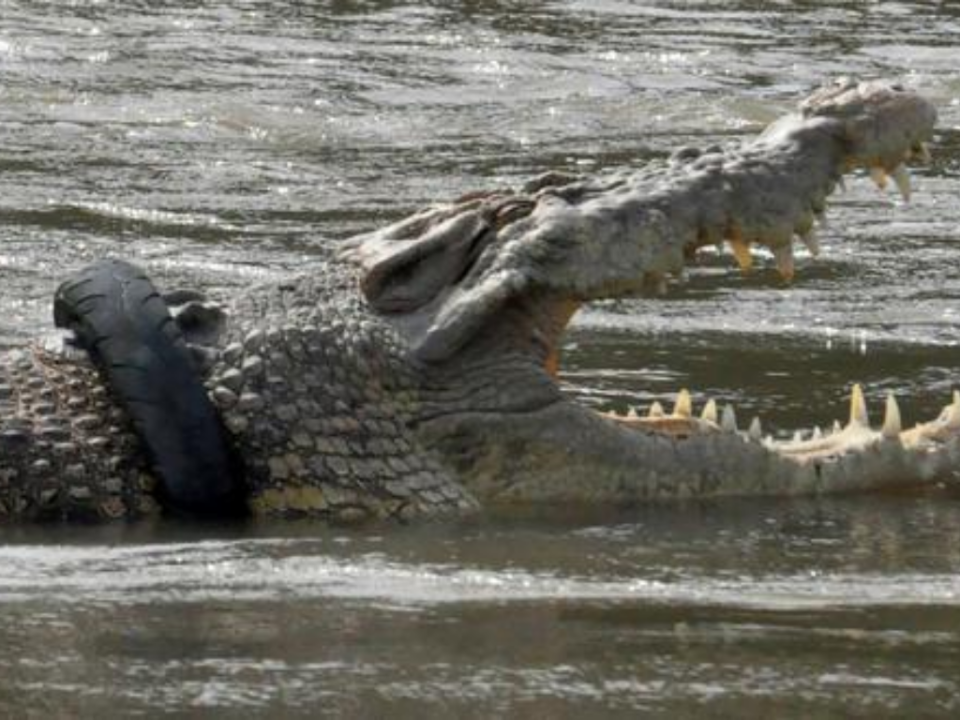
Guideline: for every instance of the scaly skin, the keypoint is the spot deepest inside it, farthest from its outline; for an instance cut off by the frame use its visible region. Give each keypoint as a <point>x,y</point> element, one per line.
<point>66,451</point>
<point>413,373</point>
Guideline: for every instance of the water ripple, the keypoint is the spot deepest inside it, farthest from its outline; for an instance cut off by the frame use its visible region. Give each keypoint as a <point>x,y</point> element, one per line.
<point>275,569</point>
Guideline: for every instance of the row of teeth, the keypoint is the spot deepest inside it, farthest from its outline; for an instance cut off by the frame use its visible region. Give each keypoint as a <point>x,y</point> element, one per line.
<point>725,420</point>
<point>901,177</point>
<point>783,254</point>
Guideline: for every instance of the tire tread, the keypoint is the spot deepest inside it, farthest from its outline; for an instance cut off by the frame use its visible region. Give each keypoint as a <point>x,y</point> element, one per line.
<point>120,318</point>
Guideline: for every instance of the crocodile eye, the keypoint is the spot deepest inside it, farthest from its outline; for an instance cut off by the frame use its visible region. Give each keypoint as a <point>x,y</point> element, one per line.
<point>897,87</point>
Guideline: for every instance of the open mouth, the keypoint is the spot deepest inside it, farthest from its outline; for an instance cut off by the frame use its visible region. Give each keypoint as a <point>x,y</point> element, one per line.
<point>680,420</point>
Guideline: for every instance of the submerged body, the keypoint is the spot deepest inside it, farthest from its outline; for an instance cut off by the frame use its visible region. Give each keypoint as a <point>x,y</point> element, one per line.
<point>413,373</point>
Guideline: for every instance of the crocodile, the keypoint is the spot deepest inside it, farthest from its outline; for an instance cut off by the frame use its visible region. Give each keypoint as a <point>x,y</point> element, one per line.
<point>412,370</point>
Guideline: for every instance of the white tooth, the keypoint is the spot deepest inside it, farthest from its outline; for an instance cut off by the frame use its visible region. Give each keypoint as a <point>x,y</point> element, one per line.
<point>784,257</point>
<point>728,420</point>
<point>817,433</point>
<point>836,427</point>
<point>656,410</point>
<point>710,411</point>
<point>798,437</point>
<point>891,421</point>
<point>684,405</point>
<point>902,178</point>
<point>811,241</point>
<point>858,407</point>
<point>923,152</point>
<point>879,176</point>
<point>756,430</point>
<point>632,413</point>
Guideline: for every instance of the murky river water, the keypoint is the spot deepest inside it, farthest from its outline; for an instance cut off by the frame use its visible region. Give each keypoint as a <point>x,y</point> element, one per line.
<point>222,143</point>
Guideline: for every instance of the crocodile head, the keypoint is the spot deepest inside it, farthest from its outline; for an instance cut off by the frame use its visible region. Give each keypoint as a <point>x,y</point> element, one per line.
<point>482,290</point>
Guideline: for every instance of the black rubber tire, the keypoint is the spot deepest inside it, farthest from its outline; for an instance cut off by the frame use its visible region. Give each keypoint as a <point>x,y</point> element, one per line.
<point>118,316</point>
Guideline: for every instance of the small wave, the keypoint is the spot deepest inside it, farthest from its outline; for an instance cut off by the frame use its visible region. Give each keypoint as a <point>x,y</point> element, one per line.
<point>160,218</point>
<point>280,569</point>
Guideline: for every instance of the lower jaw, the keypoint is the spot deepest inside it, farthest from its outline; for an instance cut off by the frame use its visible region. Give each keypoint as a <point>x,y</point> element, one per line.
<point>843,458</point>
<point>565,453</point>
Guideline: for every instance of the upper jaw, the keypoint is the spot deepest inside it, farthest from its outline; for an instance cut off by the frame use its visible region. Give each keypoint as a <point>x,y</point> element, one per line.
<point>626,234</point>
<point>773,189</point>
<point>443,276</point>
<point>883,123</point>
